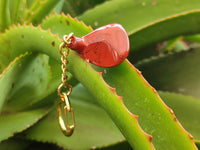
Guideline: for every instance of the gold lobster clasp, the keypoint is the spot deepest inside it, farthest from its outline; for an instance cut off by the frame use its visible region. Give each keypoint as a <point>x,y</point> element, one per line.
<point>65,127</point>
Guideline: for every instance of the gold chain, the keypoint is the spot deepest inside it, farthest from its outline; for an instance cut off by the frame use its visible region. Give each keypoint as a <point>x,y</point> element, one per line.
<point>64,96</point>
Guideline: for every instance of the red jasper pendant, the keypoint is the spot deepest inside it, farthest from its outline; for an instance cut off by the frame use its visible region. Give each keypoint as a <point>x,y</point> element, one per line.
<point>106,46</point>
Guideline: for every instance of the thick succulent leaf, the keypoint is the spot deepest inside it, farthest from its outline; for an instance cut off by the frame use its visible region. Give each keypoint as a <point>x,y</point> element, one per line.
<point>34,84</point>
<point>22,43</point>
<point>28,80</point>
<point>17,10</point>
<point>39,10</point>
<point>33,6</point>
<point>14,144</point>
<point>59,6</point>
<point>89,131</point>
<point>55,21</point>
<point>116,146</point>
<point>12,123</point>
<point>24,82</point>
<point>186,109</point>
<point>125,145</point>
<point>45,42</point>
<point>153,115</point>
<point>178,72</point>
<point>8,76</point>
<point>31,84</point>
<point>4,15</point>
<point>63,25</point>
<point>106,96</point>
<point>136,56</point>
<point>29,3</point>
<point>161,20</point>
<point>71,7</point>
<point>111,102</point>
<point>77,7</point>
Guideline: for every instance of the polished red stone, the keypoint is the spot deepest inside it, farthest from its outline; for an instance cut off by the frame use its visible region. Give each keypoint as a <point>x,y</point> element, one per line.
<point>106,46</point>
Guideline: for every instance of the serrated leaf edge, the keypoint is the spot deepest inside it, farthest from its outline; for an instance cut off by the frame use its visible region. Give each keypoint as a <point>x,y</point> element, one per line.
<point>164,19</point>
<point>113,90</point>
<point>67,16</point>
<point>29,125</point>
<point>169,109</point>
<point>12,63</point>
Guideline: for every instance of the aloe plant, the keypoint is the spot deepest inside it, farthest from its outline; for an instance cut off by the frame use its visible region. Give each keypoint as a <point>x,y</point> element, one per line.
<point>114,108</point>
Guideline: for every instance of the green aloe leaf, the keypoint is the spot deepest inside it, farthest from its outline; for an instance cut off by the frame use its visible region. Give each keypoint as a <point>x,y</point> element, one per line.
<point>77,7</point>
<point>63,25</point>
<point>8,76</point>
<point>59,24</point>
<point>137,93</point>
<point>4,15</point>
<point>146,105</point>
<point>24,82</point>
<point>30,3</point>
<point>13,144</point>
<point>31,84</point>
<point>71,7</point>
<point>186,109</point>
<point>33,6</point>
<point>28,88</point>
<point>148,22</point>
<point>12,123</point>
<point>115,146</point>
<point>141,99</point>
<point>39,10</point>
<point>23,36</point>
<point>46,42</point>
<point>59,6</point>
<point>86,112</point>
<point>17,10</point>
<point>176,72</point>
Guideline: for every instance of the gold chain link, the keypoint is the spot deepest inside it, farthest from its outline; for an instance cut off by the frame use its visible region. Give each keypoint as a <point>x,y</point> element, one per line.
<point>64,96</point>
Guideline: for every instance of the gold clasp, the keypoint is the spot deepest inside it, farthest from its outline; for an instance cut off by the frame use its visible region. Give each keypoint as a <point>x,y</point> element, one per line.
<point>66,41</point>
<point>64,85</point>
<point>67,38</point>
<point>65,127</point>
